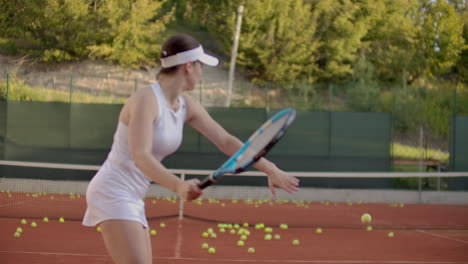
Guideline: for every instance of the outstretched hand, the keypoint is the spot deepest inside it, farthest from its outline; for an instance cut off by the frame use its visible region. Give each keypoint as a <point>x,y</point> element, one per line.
<point>281,179</point>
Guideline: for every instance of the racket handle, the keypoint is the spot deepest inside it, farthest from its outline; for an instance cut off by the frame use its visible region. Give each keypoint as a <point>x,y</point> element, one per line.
<point>206,182</point>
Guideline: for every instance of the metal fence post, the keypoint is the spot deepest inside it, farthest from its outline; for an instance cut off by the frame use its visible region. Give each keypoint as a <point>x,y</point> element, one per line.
<point>70,89</point>
<point>7,86</point>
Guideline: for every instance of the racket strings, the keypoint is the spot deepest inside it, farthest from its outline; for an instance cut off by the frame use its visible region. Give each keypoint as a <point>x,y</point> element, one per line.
<point>261,139</point>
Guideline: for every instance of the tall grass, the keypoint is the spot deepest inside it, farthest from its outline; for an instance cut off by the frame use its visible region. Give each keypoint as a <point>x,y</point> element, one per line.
<point>17,90</point>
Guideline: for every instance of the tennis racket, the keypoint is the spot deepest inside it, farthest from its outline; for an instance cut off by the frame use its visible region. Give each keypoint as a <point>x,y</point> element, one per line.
<point>257,146</point>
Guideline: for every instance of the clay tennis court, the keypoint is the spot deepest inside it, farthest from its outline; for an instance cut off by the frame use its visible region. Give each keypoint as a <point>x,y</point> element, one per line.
<point>423,233</point>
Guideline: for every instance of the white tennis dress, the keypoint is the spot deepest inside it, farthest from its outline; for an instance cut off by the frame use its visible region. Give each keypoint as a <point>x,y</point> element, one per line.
<point>119,187</point>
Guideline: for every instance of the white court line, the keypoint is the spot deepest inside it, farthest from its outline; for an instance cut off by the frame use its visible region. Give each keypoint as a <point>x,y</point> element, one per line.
<point>442,236</point>
<point>178,245</point>
<point>249,260</point>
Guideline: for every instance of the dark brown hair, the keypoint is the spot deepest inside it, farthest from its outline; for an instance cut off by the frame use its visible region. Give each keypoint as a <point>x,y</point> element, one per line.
<point>175,44</point>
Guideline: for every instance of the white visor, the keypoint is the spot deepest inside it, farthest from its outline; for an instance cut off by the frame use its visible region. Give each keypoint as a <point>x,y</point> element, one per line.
<point>196,54</point>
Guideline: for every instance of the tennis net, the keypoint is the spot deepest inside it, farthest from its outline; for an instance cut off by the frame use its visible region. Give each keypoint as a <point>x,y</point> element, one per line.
<point>435,200</point>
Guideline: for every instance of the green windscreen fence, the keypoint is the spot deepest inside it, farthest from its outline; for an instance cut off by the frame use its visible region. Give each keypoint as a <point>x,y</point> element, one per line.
<point>83,133</point>
<point>459,150</point>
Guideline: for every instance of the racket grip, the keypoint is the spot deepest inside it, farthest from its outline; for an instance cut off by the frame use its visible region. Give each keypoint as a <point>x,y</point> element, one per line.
<point>206,182</point>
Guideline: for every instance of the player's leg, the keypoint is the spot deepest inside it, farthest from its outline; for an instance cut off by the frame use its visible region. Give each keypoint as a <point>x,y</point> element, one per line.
<point>127,241</point>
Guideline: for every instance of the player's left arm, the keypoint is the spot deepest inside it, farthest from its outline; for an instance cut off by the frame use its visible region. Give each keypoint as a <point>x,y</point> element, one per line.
<point>200,120</point>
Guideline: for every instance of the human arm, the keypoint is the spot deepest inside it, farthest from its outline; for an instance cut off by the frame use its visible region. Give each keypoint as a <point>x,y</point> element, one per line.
<point>199,118</point>
<point>140,111</point>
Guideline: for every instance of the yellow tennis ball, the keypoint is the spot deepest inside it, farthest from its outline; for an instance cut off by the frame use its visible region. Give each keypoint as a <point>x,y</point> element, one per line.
<point>23,221</point>
<point>295,242</point>
<point>19,230</point>
<point>318,230</point>
<point>61,220</point>
<point>369,228</point>
<point>16,234</point>
<point>33,224</point>
<point>267,237</point>
<point>205,245</point>
<point>268,229</point>
<point>153,232</point>
<point>99,229</point>
<point>240,243</point>
<point>251,250</point>
<point>46,220</point>
<point>391,234</point>
<point>284,226</point>
<point>163,225</point>
<point>243,237</point>
<point>277,236</point>
<point>213,235</point>
<point>222,230</point>
<point>366,218</point>
<point>211,250</point>
<point>205,234</point>
<point>232,231</point>
<point>245,224</point>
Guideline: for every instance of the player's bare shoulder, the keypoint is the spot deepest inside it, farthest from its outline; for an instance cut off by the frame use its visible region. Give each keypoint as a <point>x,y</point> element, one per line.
<point>193,106</point>
<point>141,100</point>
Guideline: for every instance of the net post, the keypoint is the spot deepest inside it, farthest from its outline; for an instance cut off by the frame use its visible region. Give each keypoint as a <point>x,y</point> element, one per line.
<point>181,201</point>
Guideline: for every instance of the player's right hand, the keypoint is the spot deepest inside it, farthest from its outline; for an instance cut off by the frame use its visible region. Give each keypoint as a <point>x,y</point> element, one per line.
<point>189,189</point>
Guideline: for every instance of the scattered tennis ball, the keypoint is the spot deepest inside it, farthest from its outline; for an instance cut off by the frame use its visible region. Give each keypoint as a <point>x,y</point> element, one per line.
<point>390,234</point>
<point>369,228</point>
<point>33,224</point>
<point>46,220</point>
<point>16,234</point>
<point>99,229</point>
<point>213,235</point>
<point>205,234</point>
<point>267,237</point>
<point>277,237</point>
<point>236,226</point>
<point>211,250</point>
<point>318,230</point>
<point>240,243</point>
<point>23,221</point>
<point>243,237</point>
<point>162,225</point>
<point>251,250</point>
<point>295,242</point>
<point>153,232</point>
<point>19,230</point>
<point>268,229</point>
<point>205,245</point>
<point>222,230</point>
<point>245,224</point>
<point>284,226</point>
<point>61,220</point>
<point>247,232</point>
<point>366,218</point>
<point>232,231</point>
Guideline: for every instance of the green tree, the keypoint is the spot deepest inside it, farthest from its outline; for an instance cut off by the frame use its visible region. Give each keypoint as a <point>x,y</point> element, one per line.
<point>54,30</point>
<point>440,40</point>
<point>130,36</point>
<point>340,29</point>
<point>390,42</point>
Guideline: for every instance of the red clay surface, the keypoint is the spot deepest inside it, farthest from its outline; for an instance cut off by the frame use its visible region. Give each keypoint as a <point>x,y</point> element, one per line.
<point>423,233</point>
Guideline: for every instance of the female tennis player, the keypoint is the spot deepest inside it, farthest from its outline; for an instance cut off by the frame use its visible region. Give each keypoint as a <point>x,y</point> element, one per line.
<point>150,128</point>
